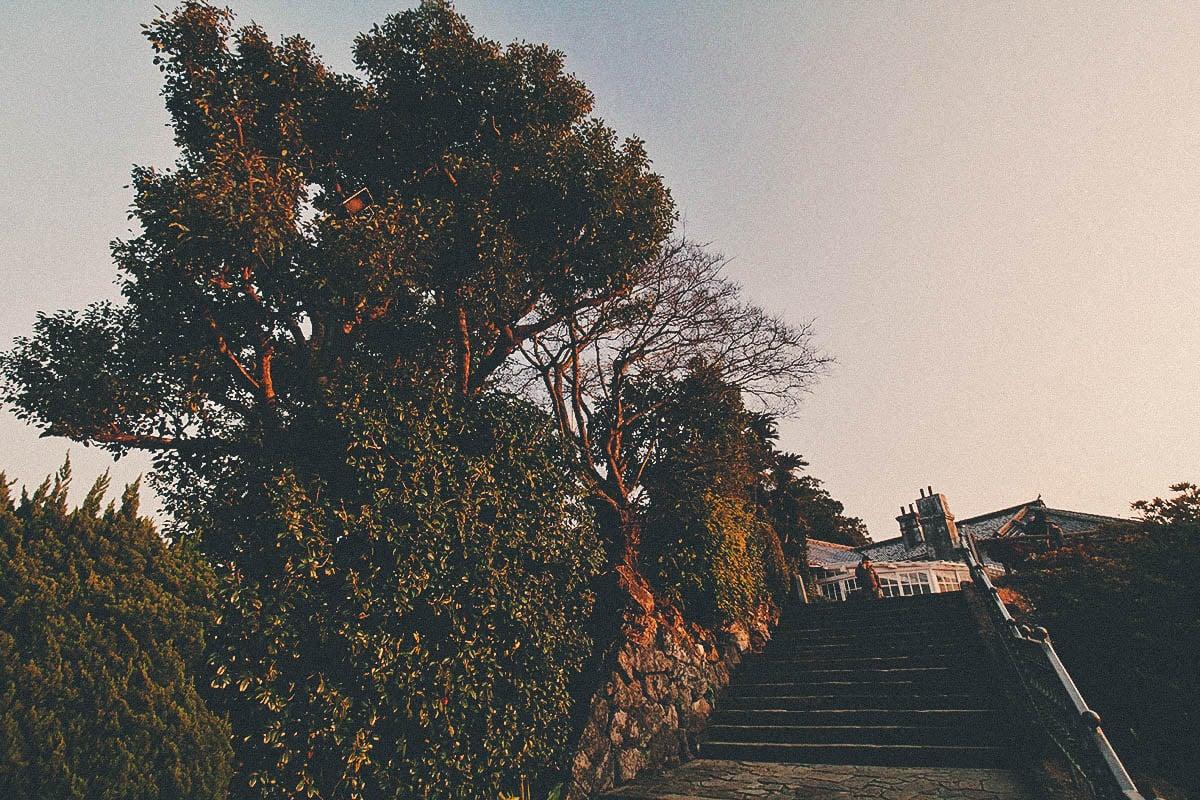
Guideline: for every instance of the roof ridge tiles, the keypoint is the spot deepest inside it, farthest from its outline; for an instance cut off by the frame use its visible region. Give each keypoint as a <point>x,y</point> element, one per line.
<point>826,543</point>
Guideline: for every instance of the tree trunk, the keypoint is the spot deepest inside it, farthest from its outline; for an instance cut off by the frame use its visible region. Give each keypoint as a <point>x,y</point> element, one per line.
<point>621,531</point>
<point>622,588</point>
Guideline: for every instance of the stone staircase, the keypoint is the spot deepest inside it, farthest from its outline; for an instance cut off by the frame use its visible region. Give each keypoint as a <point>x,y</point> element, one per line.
<point>898,682</point>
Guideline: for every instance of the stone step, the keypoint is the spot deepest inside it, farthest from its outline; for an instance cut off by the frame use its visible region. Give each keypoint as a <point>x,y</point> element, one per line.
<point>938,630</point>
<point>989,735</point>
<point>850,687</point>
<point>883,603</point>
<point>949,657</point>
<point>867,639</point>
<point>953,719</point>
<point>926,626</point>
<point>881,754</point>
<point>802,701</point>
<point>895,605</point>
<point>806,673</point>
<point>872,618</point>
<point>880,649</point>
<point>871,613</point>
<point>894,682</point>
<point>939,635</point>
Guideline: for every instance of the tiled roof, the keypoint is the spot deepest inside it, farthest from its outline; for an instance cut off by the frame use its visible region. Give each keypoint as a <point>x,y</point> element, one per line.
<point>996,524</point>
<point>987,526</point>
<point>1078,522</point>
<point>1006,521</point>
<point>831,554</point>
<point>896,550</point>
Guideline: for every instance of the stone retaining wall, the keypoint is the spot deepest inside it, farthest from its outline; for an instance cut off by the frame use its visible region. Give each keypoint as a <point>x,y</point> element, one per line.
<point>665,676</point>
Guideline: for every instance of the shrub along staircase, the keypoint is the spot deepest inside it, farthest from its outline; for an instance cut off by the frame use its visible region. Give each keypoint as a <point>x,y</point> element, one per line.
<point>900,681</point>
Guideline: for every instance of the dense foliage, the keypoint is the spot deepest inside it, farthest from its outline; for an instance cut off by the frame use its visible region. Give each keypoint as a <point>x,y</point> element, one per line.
<point>413,631</point>
<point>709,542</point>
<point>101,630</point>
<point>1124,611</point>
<point>439,207</point>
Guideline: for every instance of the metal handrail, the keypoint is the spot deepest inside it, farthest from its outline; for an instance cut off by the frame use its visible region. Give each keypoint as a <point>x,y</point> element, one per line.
<point>1121,782</point>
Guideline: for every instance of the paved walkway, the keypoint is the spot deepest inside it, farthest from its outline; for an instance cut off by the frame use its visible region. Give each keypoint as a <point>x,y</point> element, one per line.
<point>710,779</point>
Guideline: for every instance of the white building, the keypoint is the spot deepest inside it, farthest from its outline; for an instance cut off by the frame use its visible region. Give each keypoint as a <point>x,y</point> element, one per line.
<point>902,571</point>
<point>927,555</point>
<point>924,559</point>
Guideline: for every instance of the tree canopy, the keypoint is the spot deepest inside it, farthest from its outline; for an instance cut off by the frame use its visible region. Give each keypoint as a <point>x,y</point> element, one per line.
<point>607,372</point>
<point>443,204</point>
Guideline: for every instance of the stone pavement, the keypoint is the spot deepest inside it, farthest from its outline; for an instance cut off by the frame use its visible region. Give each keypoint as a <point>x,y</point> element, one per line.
<point>711,779</point>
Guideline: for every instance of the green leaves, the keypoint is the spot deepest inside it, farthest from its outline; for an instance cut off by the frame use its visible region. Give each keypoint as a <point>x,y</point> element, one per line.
<point>497,206</point>
<point>102,632</point>
<point>411,624</point>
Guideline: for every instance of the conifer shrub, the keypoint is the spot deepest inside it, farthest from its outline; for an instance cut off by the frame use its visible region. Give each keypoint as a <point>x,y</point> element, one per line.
<point>101,631</point>
<point>409,626</point>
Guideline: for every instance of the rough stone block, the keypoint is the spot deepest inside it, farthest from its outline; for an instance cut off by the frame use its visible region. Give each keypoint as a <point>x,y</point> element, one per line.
<point>629,763</point>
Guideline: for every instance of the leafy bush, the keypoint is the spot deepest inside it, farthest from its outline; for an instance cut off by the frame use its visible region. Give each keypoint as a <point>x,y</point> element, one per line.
<point>410,627</point>
<point>777,573</point>
<point>101,626</point>
<point>1125,616</point>
<point>706,555</point>
<point>709,541</point>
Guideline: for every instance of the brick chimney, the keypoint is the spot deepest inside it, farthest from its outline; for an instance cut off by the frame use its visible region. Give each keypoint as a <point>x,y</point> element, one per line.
<point>930,522</point>
<point>910,526</point>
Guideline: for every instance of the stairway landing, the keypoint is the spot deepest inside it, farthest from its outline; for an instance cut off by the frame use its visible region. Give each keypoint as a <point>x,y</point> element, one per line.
<point>712,779</point>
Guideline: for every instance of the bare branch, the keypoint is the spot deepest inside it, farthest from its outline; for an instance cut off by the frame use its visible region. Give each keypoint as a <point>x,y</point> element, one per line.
<point>678,310</point>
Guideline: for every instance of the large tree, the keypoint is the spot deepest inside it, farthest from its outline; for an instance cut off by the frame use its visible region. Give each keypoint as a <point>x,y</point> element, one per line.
<point>445,203</point>
<point>319,292</point>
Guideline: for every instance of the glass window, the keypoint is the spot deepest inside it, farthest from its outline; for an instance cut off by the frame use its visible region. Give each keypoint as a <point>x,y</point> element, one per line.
<point>831,591</point>
<point>910,583</point>
<point>947,583</point>
<point>889,585</point>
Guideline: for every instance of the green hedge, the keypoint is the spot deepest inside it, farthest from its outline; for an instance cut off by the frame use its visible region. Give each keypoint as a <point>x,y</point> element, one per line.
<point>101,627</point>
<point>705,553</point>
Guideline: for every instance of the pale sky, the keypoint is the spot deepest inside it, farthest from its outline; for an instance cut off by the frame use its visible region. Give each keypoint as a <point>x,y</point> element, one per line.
<point>991,211</point>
